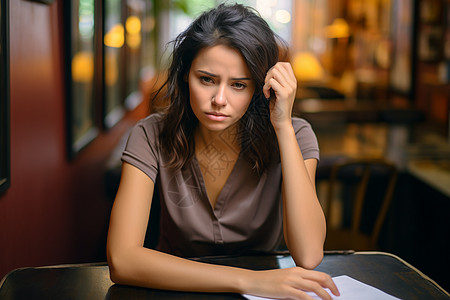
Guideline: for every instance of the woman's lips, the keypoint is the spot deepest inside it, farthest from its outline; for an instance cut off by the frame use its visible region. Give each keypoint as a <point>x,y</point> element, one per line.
<point>216,116</point>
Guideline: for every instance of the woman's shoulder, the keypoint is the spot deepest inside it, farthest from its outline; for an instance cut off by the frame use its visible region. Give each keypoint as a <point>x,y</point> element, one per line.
<point>152,121</point>
<point>148,128</point>
<point>154,118</point>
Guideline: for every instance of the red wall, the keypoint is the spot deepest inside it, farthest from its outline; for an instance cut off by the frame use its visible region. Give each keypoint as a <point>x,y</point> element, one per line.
<point>55,211</point>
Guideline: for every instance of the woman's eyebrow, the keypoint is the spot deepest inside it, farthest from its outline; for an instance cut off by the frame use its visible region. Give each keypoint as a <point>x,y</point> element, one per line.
<point>215,76</point>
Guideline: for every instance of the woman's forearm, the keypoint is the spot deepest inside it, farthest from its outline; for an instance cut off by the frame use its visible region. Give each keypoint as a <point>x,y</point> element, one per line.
<point>149,268</point>
<point>153,269</point>
<point>304,221</point>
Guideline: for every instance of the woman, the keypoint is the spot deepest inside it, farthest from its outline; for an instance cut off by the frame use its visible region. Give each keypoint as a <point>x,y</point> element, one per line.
<point>235,173</point>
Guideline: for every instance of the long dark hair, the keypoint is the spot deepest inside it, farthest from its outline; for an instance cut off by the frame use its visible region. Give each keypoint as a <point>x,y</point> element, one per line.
<point>241,28</point>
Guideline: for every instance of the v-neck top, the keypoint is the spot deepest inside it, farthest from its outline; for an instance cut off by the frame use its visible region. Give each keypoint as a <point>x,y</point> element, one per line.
<point>247,216</point>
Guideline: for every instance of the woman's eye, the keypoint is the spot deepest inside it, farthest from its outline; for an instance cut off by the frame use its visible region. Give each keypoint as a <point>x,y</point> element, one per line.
<point>206,79</point>
<point>239,85</point>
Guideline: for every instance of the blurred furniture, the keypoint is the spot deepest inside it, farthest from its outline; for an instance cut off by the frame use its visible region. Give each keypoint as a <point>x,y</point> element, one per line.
<point>384,271</point>
<point>401,130</point>
<point>327,112</point>
<point>363,187</point>
<point>310,91</point>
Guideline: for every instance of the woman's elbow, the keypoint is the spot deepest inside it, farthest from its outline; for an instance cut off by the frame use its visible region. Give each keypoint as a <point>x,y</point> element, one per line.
<point>114,276</point>
<point>314,261</point>
<point>116,268</point>
<point>113,273</point>
<point>310,261</point>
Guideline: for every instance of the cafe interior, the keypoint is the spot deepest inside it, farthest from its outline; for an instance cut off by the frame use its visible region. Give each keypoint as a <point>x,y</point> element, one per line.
<point>373,82</point>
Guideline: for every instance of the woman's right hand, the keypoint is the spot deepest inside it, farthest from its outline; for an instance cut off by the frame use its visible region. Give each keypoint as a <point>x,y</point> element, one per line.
<point>291,283</point>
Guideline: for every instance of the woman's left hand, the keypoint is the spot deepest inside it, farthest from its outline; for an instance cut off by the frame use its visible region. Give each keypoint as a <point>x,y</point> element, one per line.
<point>281,79</point>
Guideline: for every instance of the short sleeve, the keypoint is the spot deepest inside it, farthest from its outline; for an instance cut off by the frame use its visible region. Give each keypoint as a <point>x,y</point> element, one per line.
<point>306,139</point>
<point>142,148</point>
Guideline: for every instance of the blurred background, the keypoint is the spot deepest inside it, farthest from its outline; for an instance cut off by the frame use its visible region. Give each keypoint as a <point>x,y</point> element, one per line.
<point>76,75</point>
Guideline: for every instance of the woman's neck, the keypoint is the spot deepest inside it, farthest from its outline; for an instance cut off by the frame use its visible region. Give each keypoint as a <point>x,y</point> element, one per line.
<point>225,140</point>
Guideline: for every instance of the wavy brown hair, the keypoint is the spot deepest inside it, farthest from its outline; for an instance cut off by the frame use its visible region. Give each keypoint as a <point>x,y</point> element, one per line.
<point>241,28</point>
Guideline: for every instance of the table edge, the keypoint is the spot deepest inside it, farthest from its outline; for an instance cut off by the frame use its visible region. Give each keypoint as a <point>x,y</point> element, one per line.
<point>100,264</point>
<point>96,264</point>
<point>420,273</point>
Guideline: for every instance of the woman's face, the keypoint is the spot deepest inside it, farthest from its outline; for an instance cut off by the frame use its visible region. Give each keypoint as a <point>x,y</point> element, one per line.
<point>220,87</point>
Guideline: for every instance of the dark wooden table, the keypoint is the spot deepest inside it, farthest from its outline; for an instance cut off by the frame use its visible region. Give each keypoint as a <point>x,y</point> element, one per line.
<point>91,281</point>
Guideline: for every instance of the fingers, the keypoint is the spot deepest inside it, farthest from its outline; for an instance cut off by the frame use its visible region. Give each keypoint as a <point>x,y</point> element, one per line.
<point>292,283</point>
<point>281,84</point>
<point>312,287</point>
<point>306,283</point>
<point>312,282</point>
<point>323,279</point>
<point>281,79</point>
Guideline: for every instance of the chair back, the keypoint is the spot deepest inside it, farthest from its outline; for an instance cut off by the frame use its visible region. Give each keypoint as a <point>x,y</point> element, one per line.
<point>366,190</point>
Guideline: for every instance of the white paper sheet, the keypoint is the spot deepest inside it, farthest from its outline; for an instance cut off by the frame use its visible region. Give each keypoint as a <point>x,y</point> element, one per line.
<point>350,289</point>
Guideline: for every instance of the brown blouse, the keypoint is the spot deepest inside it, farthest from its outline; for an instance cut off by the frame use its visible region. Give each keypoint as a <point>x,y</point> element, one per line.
<point>247,215</point>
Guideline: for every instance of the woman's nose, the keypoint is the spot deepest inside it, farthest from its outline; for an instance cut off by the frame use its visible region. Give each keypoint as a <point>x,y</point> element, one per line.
<point>220,98</point>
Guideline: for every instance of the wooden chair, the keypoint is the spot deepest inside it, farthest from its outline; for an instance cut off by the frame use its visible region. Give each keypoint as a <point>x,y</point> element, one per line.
<point>366,189</point>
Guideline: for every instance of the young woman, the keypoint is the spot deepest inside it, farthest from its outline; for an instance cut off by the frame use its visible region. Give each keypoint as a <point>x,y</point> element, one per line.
<point>234,172</point>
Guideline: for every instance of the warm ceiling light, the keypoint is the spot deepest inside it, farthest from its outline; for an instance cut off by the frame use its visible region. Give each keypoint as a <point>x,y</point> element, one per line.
<point>133,25</point>
<point>283,16</point>
<point>307,67</point>
<point>338,29</point>
<point>115,37</point>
